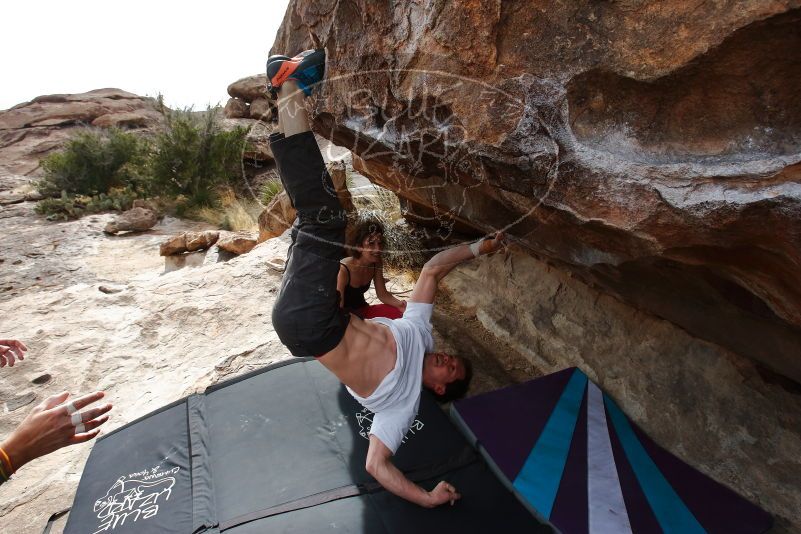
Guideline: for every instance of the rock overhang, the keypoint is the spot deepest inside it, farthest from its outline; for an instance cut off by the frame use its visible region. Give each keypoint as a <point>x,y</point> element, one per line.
<point>651,155</point>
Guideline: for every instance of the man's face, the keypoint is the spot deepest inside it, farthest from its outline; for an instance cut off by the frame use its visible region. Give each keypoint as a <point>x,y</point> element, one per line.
<point>440,369</point>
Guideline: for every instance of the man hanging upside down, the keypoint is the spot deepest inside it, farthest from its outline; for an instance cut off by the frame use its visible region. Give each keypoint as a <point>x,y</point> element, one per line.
<point>384,363</point>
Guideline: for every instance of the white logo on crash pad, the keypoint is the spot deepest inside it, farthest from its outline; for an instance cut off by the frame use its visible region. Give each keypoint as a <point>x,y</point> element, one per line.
<point>365,420</point>
<point>134,497</point>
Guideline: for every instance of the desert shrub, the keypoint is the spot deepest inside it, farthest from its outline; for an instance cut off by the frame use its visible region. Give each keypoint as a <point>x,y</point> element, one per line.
<point>69,206</point>
<point>94,162</point>
<point>349,181</point>
<point>231,213</point>
<point>402,246</point>
<point>187,164</point>
<point>193,157</point>
<point>269,190</point>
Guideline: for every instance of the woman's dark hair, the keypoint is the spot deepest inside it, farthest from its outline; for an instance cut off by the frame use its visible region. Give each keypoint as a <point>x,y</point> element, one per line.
<point>361,229</point>
<point>458,388</point>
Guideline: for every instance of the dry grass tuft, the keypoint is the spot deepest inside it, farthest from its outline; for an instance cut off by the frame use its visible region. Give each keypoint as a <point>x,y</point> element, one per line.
<point>268,190</point>
<point>402,247</point>
<point>234,213</point>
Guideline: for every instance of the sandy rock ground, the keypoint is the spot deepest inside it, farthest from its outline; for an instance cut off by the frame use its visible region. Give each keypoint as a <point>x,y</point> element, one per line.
<point>159,334</point>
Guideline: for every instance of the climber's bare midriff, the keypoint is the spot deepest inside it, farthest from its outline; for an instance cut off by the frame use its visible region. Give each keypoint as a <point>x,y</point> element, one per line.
<point>366,354</point>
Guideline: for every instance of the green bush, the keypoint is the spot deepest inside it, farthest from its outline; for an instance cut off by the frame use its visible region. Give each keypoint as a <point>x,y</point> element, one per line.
<point>68,206</point>
<point>94,162</point>
<point>193,158</point>
<point>191,162</point>
<point>269,189</point>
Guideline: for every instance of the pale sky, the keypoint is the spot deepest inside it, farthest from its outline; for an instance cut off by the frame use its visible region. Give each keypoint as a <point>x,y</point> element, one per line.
<point>188,51</point>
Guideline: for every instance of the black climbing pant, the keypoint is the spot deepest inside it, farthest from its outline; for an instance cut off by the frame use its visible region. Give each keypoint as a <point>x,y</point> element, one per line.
<point>306,315</point>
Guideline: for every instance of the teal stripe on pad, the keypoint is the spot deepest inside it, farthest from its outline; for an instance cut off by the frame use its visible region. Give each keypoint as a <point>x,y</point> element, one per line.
<point>538,480</point>
<point>670,511</point>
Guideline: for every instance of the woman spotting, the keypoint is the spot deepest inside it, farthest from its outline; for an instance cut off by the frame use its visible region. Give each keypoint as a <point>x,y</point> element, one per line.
<point>362,266</point>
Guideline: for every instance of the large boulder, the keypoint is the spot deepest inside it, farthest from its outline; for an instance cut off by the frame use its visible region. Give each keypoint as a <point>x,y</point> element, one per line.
<point>276,217</point>
<point>237,242</point>
<point>134,220</point>
<point>173,245</point>
<point>261,109</point>
<point>188,242</point>
<point>201,240</point>
<point>236,109</point>
<point>639,147</point>
<point>250,88</point>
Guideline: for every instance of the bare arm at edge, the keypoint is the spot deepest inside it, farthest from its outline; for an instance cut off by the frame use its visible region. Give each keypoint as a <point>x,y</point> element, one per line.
<point>443,262</point>
<point>380,467</point>
<point>342,281</point>
<point>381,289</point>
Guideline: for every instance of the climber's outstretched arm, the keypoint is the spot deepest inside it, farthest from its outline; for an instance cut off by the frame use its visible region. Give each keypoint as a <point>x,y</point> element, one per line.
<point>443,262</point>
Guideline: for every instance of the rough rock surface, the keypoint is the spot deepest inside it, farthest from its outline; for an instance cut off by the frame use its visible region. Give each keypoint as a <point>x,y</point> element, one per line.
<point>237,242</point>
<point>134,220</point>
<point>151,325</point>
<point>188,242</point>
<point>31,130</point>
<point>43,256</point>
<point>338,170</point>
<point>129,120</point>
<point>19,193</point>
<point>249,88</point>
<point>236,109</point>
<point>258,148</point>
<point>276,217</point>
<point>651,148</point>
<point>201,240</point>
<point>261,109</point>
<point>711,407</point>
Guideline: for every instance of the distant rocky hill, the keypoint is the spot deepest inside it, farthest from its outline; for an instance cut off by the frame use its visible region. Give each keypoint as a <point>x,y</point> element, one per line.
<point>31,130</point>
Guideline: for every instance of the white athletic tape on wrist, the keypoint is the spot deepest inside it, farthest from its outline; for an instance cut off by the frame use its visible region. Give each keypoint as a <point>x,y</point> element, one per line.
<point>77,419</point>
<point>71,408</point>
<point>475,247</point>
<point>80,429</point>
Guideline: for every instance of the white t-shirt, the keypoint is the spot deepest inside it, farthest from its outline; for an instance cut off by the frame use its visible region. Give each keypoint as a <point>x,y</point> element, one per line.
<point>396,399</point>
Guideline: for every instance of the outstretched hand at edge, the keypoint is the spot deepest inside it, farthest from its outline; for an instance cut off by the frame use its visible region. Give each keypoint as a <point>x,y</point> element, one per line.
<point>11,350</point>
<point>52,425</point>
<point>442,493</point>
<point>494,244</point>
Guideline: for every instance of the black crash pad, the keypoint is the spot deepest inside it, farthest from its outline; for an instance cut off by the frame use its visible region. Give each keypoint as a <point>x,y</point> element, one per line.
<point>281,450</point>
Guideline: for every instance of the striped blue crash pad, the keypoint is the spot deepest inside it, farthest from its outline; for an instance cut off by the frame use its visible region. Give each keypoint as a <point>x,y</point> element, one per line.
<point>569,452</point>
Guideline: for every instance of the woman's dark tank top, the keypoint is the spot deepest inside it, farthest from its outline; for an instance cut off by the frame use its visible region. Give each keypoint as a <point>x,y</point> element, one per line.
<point>354,296</point>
